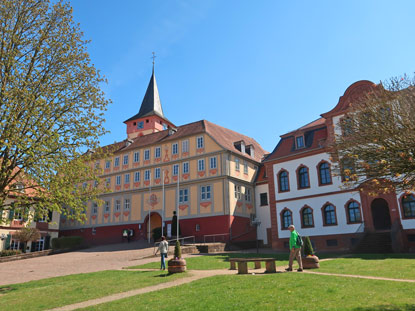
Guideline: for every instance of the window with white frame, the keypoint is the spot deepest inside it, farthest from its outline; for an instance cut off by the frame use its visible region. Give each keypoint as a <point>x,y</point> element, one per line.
<point>108,182</point>
<point>136,176</point>
<point>245,167</point>
<point>175,169</point>
<point>126,204</point>
<point>183,195</point>
<point>117,205</point>
<point>237,164</point>
<point>147,175</point>
<point>136,156</point>
<point>126,178</point>
<point>15,245</point>
<point>238,193</point>
<point>146,154</point>
<point>299,141</point>
<point>84,185</point>
<point>175,148</point>
<point>117,162</point>
<point>201,165</point>
<point>247,195</point>
<point>18,215</point>
<point>157,153</point>
<point>39,245</point>
<point>157,172</point>
<point>94,208</point>
<point>125,160</point>
<point>19,187</point>
<point>95,183</point>
<point>185,146</point>
<point>205,193</point>
<point>200,143</point>
<point>107,207</point>
<point>107,164</point>
<point>212,162</point>
<point>185,167</point>
<point>118,180</point>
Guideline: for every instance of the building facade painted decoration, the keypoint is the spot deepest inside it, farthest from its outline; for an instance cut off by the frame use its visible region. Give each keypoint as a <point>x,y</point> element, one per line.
<point>304,191</point>
<point>207,173</point>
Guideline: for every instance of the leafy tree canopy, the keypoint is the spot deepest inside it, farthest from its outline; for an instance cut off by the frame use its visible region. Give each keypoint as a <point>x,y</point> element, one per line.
<point>51,109</point>
<point>377,145</point>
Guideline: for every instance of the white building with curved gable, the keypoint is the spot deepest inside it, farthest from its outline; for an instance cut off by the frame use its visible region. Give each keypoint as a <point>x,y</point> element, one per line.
<point>304,191</point>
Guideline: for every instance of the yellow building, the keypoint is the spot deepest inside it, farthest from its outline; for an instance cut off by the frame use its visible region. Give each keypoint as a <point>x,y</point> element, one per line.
<point>201,170</point>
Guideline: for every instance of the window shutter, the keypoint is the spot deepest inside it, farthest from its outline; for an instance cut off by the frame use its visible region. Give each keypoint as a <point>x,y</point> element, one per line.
<point>47,242</point>
<point>11,214</point>
<point>8,240</point>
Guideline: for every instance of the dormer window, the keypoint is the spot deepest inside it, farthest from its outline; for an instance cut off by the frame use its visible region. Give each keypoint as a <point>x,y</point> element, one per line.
<point>20,187</point>
<point>140,125</point>
<point>299,142</point>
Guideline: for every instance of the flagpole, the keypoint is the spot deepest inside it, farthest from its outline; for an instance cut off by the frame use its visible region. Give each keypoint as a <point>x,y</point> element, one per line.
<point>178,202</point>
<point>162,213</point>
<point>149,214</point>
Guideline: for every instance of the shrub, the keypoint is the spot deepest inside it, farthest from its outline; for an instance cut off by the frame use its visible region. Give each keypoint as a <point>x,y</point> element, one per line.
<point>67,242</point>
<point>177,250</point>
<point>156,234</point>
<point>10,252</point>
<point>308,247</point>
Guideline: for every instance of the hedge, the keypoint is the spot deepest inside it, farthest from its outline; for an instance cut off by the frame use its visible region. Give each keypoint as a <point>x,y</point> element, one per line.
<point>10,252</point>
<point>67,242</point>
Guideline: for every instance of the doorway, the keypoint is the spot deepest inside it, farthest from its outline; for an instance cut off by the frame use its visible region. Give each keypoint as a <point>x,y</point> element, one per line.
<point>155,222</point>
<point>380,214</point>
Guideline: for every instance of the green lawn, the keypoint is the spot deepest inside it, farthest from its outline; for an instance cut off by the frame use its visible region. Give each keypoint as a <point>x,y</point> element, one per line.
<point>397,266</point>
<point>60,291</point>
<point>281,291</point>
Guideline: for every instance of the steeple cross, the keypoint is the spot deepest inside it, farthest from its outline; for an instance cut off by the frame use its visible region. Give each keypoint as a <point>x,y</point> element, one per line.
<point>153,57</point>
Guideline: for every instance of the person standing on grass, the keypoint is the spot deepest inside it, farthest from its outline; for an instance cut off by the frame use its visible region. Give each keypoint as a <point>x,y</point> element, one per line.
<point>164,249</point>
<point>295,250</point>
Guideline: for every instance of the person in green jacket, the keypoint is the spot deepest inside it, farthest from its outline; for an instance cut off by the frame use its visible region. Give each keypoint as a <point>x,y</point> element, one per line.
<point>295,250</point>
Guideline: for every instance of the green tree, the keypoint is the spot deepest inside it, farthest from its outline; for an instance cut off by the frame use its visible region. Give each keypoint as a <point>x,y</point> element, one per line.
<point>25,235</point>
<point>377,145</point>
<point>51,109</point>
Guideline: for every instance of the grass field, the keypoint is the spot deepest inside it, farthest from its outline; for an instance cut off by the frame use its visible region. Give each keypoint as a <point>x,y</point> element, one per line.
<point>60,291</point>
<point>281,291</point>
<point>400,266</point>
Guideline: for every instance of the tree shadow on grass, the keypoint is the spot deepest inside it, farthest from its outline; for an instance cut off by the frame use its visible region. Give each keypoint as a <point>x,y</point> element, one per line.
<point>164,275</point>
<point>6,289</point>
<point>381,256</point>
<point>407,307</point>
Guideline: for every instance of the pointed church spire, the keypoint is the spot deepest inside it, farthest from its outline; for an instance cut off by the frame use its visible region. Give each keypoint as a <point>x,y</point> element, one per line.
<point>151,104</point>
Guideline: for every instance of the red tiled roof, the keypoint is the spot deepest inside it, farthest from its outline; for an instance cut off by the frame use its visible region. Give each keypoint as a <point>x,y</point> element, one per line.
<point>261,176</point>
<point>315,123</point>
<point>315,138</point>
<point>221,135</point>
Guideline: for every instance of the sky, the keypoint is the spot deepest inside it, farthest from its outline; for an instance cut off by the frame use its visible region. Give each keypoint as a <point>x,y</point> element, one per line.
<point>261,68</point>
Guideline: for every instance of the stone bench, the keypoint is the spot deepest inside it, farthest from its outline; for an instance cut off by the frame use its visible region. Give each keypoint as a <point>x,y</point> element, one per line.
<point>243,264</point>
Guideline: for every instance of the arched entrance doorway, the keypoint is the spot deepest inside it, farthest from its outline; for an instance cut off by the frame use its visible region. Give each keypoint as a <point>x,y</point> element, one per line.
<point>155,222</point>
<point>380,214</point>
